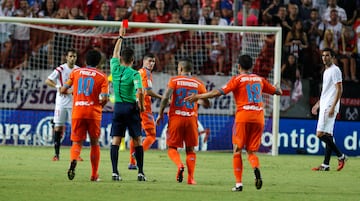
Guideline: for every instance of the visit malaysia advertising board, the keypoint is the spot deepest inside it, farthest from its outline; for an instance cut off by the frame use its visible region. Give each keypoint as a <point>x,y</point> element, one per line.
<point>27,108</point>
<point>22,127</point>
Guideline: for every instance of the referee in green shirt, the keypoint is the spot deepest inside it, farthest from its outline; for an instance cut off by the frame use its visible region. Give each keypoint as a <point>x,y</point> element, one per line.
<point>129,102</point>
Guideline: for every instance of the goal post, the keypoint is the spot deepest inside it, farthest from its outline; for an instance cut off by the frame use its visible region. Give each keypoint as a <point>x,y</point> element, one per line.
<point>237,40</point>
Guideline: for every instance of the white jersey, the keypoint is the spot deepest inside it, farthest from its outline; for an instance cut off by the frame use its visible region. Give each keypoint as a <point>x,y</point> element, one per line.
<point>331,77</point>
<point>60,75</point>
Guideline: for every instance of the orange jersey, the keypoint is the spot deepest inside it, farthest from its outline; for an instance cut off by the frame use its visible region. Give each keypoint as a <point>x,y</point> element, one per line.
<point>88,84</point>
<point>146,78</point>
<point>182,87</point>
<point>248,90</point>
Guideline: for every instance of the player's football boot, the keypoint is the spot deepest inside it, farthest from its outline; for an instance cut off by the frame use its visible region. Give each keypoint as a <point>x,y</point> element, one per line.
<point>180,173</point>
<point>258,180</point>
<point>55,158</point>
<point>132,166</point>
<point>71,171</point>
<point>95,178</point>
<point>141,177</point>
<point>321,168</point>
<point>236,189</point>
<point>116,177</point>
<point>341,162</point>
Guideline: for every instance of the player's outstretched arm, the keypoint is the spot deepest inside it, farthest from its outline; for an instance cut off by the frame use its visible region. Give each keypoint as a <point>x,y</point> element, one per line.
<point>195,97</point>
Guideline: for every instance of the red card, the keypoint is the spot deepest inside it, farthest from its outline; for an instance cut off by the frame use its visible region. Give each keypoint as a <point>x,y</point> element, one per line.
<point>125,23</point>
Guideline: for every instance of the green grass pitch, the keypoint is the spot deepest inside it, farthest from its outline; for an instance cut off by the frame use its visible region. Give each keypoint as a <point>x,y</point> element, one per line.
<point>27,173</point>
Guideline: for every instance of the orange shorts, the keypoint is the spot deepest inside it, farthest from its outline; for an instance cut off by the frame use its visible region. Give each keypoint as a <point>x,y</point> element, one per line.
<point>247,135</point>
<point>80,127</point>
<point>182,129</point>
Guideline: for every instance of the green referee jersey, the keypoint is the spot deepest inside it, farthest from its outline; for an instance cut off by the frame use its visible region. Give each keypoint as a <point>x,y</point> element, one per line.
<point>125,81</point>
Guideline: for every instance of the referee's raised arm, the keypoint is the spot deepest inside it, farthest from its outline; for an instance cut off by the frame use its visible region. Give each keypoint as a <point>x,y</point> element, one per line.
<point>117,48</point>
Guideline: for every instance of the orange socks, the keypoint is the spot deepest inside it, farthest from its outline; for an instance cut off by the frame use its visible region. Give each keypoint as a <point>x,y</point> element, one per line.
<point>253,160</point>
<point>148,141</point>
<point>75,151</point>
<point>238,167</point>
<point>190,163</point>
<point>174,156</point>
<point>95,159</point>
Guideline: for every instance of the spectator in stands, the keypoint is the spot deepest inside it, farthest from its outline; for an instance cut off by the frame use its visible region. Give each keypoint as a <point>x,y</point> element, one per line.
<point>104,13</point>
<point>347,53</point>
<point>138,15</point>
<point>329,42</point>
<point>217,49</point>
<point>76,14</point>
<point>152,15</point>
<point>226,8</point>
<point>120,13</point>
<point>270,7</point>
<point>205,18</point>
<point>342,17</point>
<point>290,71</point>
<point>321,5</point>
<point>170,45</point>
<point>21,38</point>
<point>333,24</point>
<point>210,5</point>
<point>48,9</point>
<point>292,14</point>
<point>296,41</point>
<point>312,53</point>
<point>186,15</point>
<point>7,8</point>
<point>93,8</point>
<point>311,27</point>
<point>163,15</point>
<point>305,9</point>
<point>278,20</point>
<point>222,21</point>
<point>251,19</point>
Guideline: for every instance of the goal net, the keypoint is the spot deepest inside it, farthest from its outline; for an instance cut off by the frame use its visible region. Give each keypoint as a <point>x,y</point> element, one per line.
<point>27,103</point>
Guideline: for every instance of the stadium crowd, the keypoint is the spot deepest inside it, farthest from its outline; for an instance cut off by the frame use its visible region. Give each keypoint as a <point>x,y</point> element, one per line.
<point>308,26</point>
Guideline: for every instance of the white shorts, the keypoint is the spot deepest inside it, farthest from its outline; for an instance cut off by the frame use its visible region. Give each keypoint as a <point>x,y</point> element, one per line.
<point>325,123</point>
<point>61,116</point>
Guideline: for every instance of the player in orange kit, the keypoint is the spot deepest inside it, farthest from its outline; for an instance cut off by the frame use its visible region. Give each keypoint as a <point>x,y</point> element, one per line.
<point>91,93</point>
<point>247,89</point>
<point>183,117</point>
<point>147,117</point>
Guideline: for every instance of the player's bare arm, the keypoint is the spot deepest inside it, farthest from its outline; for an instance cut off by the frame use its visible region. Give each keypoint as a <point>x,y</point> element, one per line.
<point>314,109</point>
<point>339,90</point>
<point>195,97</point>
<point>50,83</point>
<point>140,95</point>
<point>153,94</point>
<point>163,104</point>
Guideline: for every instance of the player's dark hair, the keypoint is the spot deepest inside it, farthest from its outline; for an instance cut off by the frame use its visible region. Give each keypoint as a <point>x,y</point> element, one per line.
<point>70,50</point>
<point>187,64</point>
<point>93,58</point>
<point>149,55</point>
<point>127,55</point>
<point>332,53</point>
<point>245,61</point>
